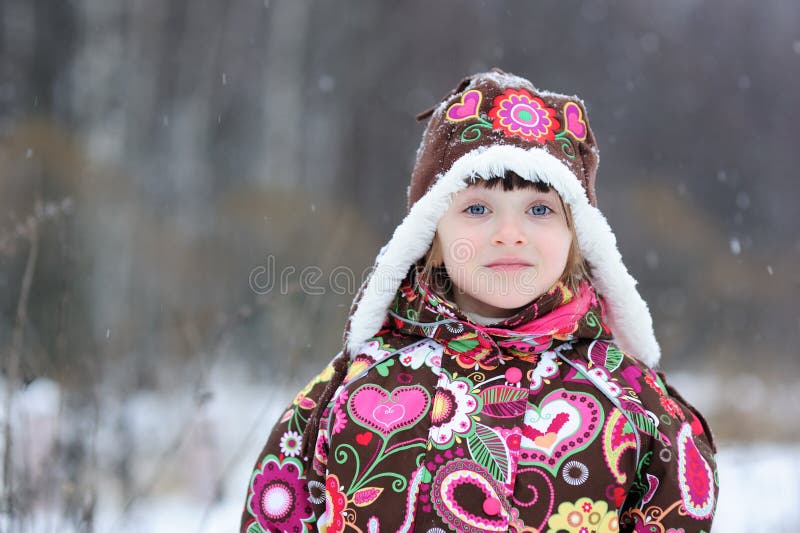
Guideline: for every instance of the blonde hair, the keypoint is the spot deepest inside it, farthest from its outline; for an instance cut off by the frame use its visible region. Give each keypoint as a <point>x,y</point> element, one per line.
<point>431,269</point>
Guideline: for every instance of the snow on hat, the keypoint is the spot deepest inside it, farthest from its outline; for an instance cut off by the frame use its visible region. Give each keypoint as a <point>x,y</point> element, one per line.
<point>492,123</point>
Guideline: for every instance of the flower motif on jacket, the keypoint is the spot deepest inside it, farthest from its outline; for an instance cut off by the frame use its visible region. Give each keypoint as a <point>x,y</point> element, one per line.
<point>332,520</point>
<point>453,407</point>
<point>669,404</point>
<point>672,407</point>
<point>339,416</point>
<point>427,353</point>
<point>583,516</point>
<point>368,354</point>
<point>302,400</point>
<point>517,113</point>
<point>546,368</point>
<point>278,498</point>
<point>291,443</point>
<point>471,350</point>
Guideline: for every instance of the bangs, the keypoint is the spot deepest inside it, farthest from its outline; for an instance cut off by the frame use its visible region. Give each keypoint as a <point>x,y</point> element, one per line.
<point>510,181</point>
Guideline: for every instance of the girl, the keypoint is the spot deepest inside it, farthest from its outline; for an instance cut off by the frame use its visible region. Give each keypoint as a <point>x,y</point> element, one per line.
<point>497,365</point>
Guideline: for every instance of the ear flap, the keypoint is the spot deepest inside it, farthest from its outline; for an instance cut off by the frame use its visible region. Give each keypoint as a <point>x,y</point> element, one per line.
<point>460,87</point>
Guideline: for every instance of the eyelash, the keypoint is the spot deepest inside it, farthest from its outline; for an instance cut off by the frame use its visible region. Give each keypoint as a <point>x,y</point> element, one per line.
<point>468,209</point>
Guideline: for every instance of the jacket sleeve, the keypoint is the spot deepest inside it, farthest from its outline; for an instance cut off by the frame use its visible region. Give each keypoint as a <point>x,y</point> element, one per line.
<point>278,495</point>
<point>676,485</point>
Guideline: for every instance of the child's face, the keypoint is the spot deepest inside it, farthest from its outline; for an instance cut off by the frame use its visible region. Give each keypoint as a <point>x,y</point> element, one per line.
<point>503,249</point>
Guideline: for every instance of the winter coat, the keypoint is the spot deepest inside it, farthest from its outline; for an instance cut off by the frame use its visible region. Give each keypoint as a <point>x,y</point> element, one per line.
<point>537,424</point>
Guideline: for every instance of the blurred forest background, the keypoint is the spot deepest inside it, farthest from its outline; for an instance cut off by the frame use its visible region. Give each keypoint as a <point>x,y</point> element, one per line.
<point>160,160</point>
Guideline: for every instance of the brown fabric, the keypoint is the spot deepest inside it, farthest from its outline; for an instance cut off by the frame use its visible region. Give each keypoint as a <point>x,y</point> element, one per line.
<point>445,140</point>
<point>447,426</point>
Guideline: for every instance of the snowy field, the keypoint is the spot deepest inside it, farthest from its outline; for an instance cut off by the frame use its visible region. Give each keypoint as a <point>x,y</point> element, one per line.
<point>187,462</point>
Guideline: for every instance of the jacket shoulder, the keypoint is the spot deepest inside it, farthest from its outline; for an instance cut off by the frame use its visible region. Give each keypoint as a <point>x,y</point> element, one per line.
<point>652,406</point>
<point>664,404</point>
<point>676,478</point>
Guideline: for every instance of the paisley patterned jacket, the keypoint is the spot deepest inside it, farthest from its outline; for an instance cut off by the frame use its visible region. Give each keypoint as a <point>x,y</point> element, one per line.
<point>536,424</point>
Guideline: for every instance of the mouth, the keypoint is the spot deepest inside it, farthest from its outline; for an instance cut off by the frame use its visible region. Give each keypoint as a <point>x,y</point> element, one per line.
<point>508,265</point>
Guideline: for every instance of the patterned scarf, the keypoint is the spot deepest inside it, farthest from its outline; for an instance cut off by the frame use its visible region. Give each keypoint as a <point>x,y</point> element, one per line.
<point>557,316</point>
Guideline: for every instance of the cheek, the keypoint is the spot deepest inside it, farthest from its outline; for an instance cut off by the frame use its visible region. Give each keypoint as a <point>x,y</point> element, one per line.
<point>459,252</point>
<point>458,248</point>
<point>444,246</point>
<point>558,245</point>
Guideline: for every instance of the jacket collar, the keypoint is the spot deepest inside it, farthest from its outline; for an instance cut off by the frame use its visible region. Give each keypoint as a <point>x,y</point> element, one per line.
<point>555,317</point>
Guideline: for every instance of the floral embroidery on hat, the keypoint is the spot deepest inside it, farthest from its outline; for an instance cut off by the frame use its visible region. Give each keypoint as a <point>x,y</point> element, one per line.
<point>517,113</point>
<point>466,108</point>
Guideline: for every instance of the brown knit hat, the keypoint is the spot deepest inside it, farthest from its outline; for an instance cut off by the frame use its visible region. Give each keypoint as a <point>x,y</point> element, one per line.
<point>490,124</point>
<point>493,108</point>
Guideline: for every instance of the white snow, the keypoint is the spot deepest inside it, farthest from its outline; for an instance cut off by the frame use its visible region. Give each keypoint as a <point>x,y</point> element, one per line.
<point>736,246</point>
<point>759,488</point>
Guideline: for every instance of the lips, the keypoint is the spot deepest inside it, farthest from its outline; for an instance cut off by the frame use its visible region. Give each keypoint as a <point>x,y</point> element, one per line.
<point>509,264</point>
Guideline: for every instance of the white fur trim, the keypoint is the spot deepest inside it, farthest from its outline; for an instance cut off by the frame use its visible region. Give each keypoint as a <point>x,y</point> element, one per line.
<point>627,313</point>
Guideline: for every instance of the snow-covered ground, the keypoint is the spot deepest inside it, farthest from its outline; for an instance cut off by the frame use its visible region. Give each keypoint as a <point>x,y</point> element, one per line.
<point>187,460</point>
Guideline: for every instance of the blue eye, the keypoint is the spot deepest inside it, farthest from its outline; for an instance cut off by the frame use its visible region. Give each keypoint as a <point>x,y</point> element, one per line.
<point>540,210</point>
<point>476,209</point>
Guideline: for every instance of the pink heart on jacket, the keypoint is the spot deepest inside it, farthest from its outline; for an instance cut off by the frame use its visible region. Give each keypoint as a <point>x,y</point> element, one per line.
<point>562,424</point>
<point>375,408</point>
<point>466,108</point>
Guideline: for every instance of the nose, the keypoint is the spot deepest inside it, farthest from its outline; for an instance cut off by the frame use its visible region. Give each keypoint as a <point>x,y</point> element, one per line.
<point>508,231</point>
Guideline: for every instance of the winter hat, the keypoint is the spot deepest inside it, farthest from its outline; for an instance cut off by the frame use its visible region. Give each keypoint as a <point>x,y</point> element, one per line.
<point>492,123</point>
<point>495,108</point>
